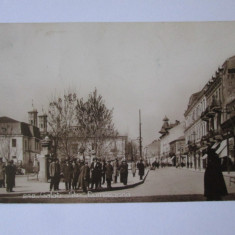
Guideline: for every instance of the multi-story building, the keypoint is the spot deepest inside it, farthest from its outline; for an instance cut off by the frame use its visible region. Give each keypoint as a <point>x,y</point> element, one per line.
<point>108,147</point>
<point>210,118</point>
<point>219,114</point>
<point>169,132</point>
<point>195,129</point>
<point>19,141</point>
<point>177,149</point>
<point>153,151</point>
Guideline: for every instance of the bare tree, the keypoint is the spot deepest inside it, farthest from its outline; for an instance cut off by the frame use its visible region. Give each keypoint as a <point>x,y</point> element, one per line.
<point>61,120</point>
<point>5,142</point>
<point>94,121</point>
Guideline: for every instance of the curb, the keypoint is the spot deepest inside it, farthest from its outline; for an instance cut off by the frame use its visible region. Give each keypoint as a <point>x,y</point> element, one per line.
<point>77,191</point>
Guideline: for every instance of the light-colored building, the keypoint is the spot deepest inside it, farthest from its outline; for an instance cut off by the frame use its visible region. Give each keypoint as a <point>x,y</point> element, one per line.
<point>169,132</point>
<point>106,148</point>
<point>19,141</point>
<point>195,129</point>
<point>152,151</point>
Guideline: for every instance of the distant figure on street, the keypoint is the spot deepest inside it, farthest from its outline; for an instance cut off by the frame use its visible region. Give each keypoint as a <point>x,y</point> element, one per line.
<point>2,174</point>
<point>214,184</point>
<point>115,170</point>
<point>123,172</point>
<point>154,164</point>
<point>10,176</point>
<point>133,168</point>
<point>140,166</point>
<point>109,174</point>
<point>54,171</point>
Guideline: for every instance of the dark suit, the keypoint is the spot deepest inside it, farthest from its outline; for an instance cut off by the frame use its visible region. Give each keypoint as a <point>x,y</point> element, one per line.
<point>68,175</point>
<point>123,173</point>
<point>109,174</point>
<point>141,169</point>
<point>76,171</point>
<point>54,171</point>
<point>96,169</point>
<point>10,177</point>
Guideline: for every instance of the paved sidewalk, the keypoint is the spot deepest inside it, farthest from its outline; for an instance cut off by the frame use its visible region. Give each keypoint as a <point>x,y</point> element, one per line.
<point>29,184</point>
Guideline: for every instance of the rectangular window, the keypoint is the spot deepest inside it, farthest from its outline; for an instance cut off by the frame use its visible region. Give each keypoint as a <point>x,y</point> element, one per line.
<point>13,142</point>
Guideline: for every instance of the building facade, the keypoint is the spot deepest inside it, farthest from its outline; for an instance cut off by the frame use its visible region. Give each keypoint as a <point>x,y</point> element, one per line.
<point>19,142</point>
<point>169,132</point>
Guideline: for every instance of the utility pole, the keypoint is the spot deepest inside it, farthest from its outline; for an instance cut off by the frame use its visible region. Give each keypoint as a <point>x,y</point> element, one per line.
<point>140,138</point>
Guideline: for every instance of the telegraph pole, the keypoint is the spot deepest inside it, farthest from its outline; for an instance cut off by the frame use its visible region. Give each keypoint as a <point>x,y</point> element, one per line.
<point>140,138</point>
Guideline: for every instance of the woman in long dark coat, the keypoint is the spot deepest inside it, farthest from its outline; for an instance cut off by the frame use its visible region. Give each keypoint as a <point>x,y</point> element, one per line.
<point>214,184</point>
<point>140,166</point>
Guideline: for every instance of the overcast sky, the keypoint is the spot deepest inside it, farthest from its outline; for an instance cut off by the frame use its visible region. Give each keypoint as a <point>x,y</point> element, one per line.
<point>154,67</point>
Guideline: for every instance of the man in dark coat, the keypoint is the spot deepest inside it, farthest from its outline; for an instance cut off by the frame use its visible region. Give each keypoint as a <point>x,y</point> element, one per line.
<point>10,176</point>
<point>123,172</point>
<point>54,171</point>
<point>214,184</point>
<point>103,173</point>
<point>2,174</point>
<point>140,166</point>
<point>76,172</point>
<point>96,169</point>
<point>68,175</point>
<point>84,176</point>
<point>109,173</point>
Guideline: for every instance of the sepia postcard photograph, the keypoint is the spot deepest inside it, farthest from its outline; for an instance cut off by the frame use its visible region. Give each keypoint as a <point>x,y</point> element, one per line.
<point>117,112</point>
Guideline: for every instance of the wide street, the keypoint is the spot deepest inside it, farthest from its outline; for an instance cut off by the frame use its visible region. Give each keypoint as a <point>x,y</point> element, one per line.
<point>162,185</point>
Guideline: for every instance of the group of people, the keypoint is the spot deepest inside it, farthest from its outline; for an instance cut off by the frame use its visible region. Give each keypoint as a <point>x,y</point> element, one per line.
<point>7,175</point>
<point>79,174</point>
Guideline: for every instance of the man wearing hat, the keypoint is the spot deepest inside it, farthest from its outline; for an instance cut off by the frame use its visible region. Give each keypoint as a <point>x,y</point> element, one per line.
<point>2,174</point>
<point>68,174</point>
<point>10,176</point>
<point>84,176</point>
<point>124,172</point>
<point>115,170</point>
<point>140,166</point>
<point>109,173</point>
<point>54,171</point>
<point>95,173</point>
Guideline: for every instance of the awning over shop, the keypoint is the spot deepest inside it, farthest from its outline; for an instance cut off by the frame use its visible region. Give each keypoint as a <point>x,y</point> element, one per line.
<point>215,145</point>
<point>223,153</point>
<point>221,147</point>
<point>204,156</point>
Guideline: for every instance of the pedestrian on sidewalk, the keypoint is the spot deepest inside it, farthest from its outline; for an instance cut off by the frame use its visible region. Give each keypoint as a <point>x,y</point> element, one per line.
<point>133,168</point>
<point>84,176</point>
<point>214,184</point>
<point>96,168</point>
<point>103,171</point>
<point>109,174</point>
<point>54,172</point>
<point>76,172</point>
<point>140,166</point>
<point>2,174</point>
<point>68,174</point>
<point>10,176</point>
<point>123,172</point>
<point>115,170</point>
